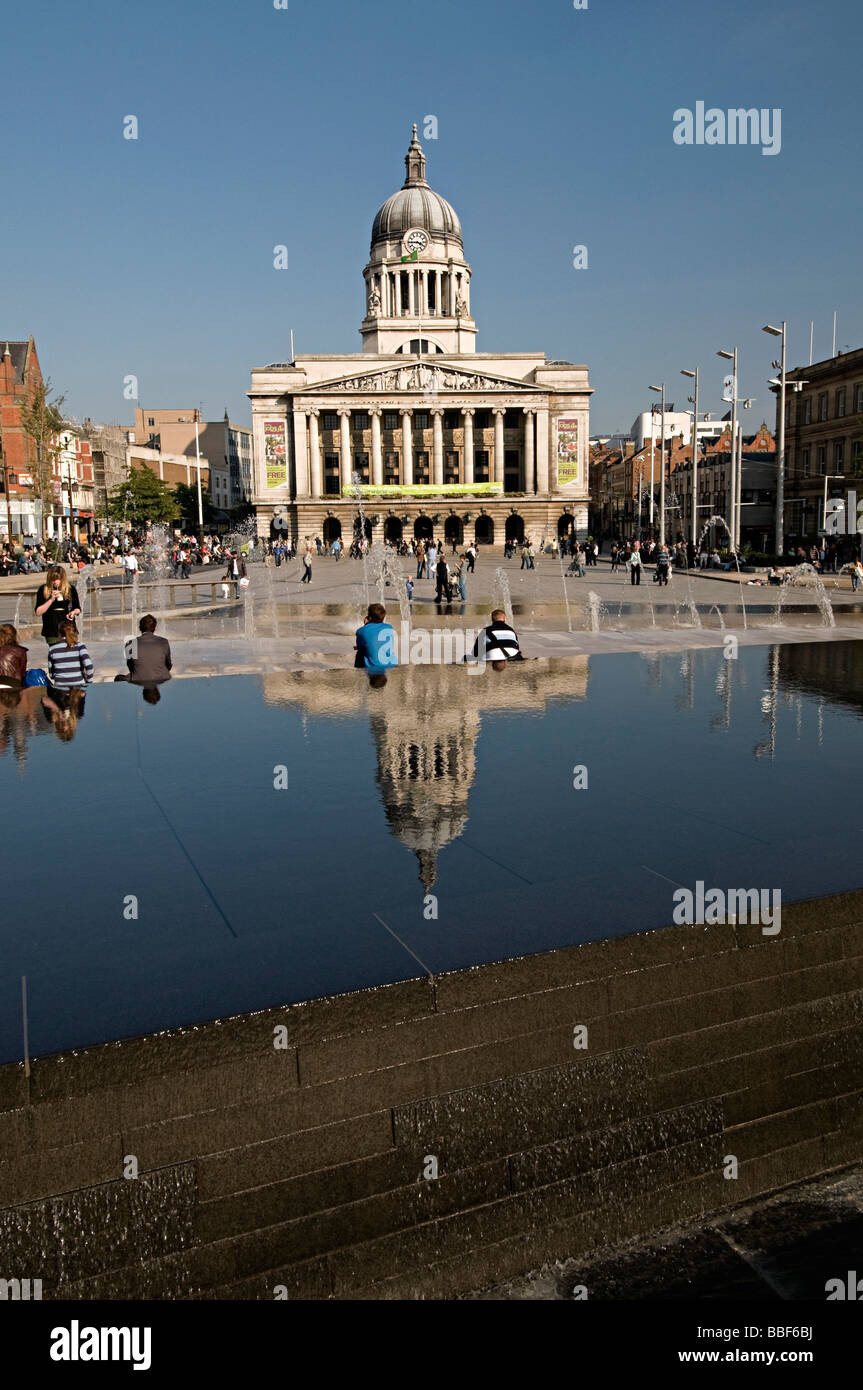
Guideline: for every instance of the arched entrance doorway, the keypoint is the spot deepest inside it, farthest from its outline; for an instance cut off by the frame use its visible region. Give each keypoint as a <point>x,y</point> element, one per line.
<point>392,530</point>
<point>515,528</point>
<point>423,528</point>
<point>359,528</point>
<point>332,530</point>
<point>453,530</point>
<point>484,531</point>
<point>565,524</point>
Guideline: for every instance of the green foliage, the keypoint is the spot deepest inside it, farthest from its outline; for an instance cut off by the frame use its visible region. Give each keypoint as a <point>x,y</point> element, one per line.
<point>142,497</point>
<point>187,503</point>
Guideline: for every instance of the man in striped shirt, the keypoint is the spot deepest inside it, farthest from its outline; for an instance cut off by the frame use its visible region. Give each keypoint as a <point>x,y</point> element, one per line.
<point>501,642</point>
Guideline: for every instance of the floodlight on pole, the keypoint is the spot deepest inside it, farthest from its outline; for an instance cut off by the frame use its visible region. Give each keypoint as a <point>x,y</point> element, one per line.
<point>733,479</point>
<point>661,391</point>
<point>780,443</point>
<point>694,399</point>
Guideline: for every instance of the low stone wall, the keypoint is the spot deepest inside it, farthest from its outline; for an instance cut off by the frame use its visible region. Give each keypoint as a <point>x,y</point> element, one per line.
<point>305,1165</point>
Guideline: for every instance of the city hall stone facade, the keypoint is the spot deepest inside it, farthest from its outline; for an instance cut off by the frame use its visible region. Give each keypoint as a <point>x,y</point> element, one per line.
<point>432,435</point>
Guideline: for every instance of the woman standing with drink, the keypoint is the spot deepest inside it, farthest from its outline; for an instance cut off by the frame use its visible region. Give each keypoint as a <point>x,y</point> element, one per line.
<point>56,602</point>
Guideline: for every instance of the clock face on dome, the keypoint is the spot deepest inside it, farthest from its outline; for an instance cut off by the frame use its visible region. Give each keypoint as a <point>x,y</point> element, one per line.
<point>416,241</point>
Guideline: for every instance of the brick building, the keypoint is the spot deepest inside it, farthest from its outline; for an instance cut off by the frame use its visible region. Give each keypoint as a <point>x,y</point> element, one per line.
<point>20,375</point>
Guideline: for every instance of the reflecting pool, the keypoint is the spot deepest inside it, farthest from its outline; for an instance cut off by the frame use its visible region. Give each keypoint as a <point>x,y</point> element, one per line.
<point>256,840</point>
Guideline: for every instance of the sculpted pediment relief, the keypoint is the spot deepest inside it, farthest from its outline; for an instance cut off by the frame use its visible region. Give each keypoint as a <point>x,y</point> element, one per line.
<point>418,376</point>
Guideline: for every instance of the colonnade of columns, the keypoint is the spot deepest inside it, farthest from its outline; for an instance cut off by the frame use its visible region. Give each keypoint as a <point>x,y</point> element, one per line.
<point>423,290</point>
<point>538,475</point>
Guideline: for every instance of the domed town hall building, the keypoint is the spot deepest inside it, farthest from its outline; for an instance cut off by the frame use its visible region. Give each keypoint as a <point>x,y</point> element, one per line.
<point>439,438</point>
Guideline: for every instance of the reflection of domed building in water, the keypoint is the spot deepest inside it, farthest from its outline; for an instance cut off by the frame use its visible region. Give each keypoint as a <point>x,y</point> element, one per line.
<point>425,723</point>
<point>446,440</point>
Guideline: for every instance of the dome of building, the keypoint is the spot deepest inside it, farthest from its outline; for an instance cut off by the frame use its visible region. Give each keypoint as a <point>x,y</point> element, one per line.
<point>415,205</point>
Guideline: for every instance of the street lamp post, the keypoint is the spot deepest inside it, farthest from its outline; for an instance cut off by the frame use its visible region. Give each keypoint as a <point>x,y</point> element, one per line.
<point>780,443</point>
<point>5,473</point>
<point>652,447</point>
<point>731,489</point>
<point>661,391</point>
<point>200,498</point>
<point>694,400</point>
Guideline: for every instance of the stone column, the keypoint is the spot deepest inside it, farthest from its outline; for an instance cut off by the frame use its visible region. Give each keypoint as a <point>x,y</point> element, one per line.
<point>407,449</point>
<point>542,449</point>
<point>498,444</point>
<point>437,446</point>
<point>467,470</point>
<point>301,458</point>
<point>377,458</point>
<point>345,446</point>
<point>316,485</point>
<point>529,454</point>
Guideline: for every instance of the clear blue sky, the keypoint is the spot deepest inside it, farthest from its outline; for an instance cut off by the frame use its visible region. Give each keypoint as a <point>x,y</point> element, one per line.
<point>261,126</point>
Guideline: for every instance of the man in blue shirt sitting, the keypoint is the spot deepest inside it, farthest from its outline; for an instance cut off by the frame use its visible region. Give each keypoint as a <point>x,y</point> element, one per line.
<point>376,645</point>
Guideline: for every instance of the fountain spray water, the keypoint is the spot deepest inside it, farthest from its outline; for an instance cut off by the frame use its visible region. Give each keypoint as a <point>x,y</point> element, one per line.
<point>500,593</point>
<point>594,611</point>
<point>821,593</point>
<point>565,594</point>
<point>357,490</point>
<point>720,521</point>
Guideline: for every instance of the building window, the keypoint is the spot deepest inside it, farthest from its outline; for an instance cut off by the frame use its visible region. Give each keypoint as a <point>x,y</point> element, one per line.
<point>330,420</point>
<point>807,467</point>
<point>857,455</point>
<point>452,419</point>
<point>480,464</point>
<point>361,466</point>
<point>807,411</point>
<point>839,455</point>
<point>822,459</point>
<point>150,420</point>
<point>421,420</point>
<point>840,402</point>
<point>482,419</point>
<point>512,419</point>
<point>421,467</point>
<point>391,468</point>
<point>360,420</point>
<point>858,400</point>
<point>331,475</point>
<point>822,406</point>
<point>450,468</point>
<point>391,420</point>
<point>511,471</point>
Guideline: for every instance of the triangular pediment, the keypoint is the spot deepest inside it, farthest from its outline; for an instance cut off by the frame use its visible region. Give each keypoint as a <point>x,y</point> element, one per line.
<point>430,378</point>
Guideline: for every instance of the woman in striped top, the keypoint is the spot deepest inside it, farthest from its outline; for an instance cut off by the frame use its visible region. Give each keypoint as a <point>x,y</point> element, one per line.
<point>69,664</point>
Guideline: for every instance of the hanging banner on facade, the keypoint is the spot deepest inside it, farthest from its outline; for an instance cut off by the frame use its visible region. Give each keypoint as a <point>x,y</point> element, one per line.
<point>426,490</point>
<point>276,452</point>
<point>567,450</point>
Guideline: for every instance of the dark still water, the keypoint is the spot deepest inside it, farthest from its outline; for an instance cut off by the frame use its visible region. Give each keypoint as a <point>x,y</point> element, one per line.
<point>158,872</point>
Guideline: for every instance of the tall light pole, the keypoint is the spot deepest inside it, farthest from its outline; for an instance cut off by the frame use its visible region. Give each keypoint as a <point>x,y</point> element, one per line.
<point>661,391</point>
<point>200,498</point>
<point>694,399</point>
<point>652,447</point>
<point>731,489</point>
<point>780,443</point>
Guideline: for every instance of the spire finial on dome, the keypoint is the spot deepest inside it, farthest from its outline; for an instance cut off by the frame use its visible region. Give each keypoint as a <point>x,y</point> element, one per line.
<point>415,162</point>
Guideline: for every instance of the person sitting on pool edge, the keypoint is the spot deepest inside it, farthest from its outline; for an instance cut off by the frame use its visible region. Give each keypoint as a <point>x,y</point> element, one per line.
<point>148,657</point>
<point>376,645</point>
<point>501,642</point>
